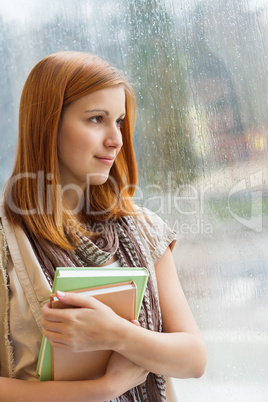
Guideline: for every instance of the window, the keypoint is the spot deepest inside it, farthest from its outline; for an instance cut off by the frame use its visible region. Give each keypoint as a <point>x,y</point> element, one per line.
<point>200,73</point>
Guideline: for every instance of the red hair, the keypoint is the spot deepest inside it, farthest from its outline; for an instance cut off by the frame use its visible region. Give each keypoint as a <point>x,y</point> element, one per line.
<point>53,83</point>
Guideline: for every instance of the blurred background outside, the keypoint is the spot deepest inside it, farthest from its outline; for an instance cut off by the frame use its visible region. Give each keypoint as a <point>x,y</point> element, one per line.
<point>200,71</point>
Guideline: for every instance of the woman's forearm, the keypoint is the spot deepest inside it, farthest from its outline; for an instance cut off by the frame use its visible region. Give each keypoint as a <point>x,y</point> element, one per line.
<point>121,375</point>
<point>180,355</point>
<point>54,391</point>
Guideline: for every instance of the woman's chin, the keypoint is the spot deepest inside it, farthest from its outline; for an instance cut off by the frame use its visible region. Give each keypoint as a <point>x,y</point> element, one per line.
<point>97,179</point>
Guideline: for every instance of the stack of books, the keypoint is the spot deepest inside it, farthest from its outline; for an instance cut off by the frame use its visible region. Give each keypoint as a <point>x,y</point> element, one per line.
<point>122,289</point>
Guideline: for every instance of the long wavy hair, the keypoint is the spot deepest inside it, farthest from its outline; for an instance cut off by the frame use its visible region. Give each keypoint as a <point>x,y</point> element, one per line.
<point>33,195</point>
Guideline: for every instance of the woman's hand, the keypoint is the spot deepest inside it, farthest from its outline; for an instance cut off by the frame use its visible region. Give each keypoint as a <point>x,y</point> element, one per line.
<point>93,326</point>
<point>122,375</point>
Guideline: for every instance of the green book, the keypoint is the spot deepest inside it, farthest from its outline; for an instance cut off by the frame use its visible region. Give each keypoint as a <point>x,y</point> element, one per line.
<point>68,279</point>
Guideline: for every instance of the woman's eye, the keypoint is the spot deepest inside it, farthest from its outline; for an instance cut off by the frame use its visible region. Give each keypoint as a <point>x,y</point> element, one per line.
<point>96,119</point>
<point>120,123</point>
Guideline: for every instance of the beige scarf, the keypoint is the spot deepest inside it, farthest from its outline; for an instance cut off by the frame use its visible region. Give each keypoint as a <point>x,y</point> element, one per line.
<point>119,238</point>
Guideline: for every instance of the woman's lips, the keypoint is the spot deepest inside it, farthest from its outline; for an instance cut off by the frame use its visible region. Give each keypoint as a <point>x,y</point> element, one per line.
<point>107,160</point>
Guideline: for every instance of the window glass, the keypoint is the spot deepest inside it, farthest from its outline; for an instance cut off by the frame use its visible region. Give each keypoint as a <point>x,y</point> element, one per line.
<point>199,68</point>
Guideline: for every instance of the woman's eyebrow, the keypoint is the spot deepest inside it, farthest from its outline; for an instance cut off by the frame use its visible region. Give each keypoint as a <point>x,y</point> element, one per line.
<point>97,110</point>
<point>101,110</point>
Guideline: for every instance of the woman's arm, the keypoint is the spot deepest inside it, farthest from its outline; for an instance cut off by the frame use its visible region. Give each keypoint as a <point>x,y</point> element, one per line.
<point>121,375</point>
<point>178,352</point>
<point>27,391</point>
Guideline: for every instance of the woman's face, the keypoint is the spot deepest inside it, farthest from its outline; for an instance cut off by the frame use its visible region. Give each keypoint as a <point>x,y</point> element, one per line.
<point>90,137</point>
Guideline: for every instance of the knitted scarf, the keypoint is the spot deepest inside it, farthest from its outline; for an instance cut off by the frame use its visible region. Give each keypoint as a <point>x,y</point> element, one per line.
<point>117,238</point>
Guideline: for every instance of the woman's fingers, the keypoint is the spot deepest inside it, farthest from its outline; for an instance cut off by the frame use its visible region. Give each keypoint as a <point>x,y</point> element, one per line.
<point>125,372</point>
<point>77,299</point>
<point>53,315</point>
<point>91,326</point>
<point>55,338</point>
<point>70,299</point>
<point>136,322</point>
<point>82,328</point>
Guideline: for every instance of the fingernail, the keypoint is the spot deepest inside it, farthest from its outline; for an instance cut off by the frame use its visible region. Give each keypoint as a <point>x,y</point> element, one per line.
<point>60,293</point>
<point>136,322</point>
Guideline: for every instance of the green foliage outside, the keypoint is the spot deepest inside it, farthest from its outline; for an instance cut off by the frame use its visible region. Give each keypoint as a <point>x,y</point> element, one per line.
<point>157,65</point>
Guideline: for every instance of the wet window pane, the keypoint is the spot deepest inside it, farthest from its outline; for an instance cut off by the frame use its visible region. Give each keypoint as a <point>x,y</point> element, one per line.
<point>200,70</point>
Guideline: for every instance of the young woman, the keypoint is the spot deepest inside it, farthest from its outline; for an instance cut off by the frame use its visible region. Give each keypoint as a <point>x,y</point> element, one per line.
<point>68,203</point>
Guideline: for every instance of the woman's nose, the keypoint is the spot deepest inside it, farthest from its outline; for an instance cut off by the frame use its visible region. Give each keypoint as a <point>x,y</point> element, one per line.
<point>114,137</point>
